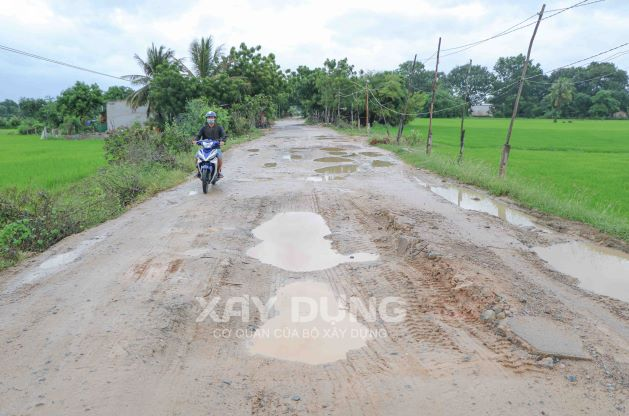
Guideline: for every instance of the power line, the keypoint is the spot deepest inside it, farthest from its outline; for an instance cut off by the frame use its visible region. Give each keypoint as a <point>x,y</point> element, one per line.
<point>54,61</point>
<point>515,28</point>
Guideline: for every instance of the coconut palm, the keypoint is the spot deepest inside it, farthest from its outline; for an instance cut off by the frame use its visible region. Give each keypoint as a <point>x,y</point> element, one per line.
<point>205,56</point>
<point>154,57</point>
<point>561,93</point>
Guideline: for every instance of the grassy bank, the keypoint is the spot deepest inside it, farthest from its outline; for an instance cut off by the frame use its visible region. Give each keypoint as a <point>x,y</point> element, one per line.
<point>578,170</point>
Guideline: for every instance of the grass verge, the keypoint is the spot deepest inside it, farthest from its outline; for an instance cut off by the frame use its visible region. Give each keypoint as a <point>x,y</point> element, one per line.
<point>528,192</point>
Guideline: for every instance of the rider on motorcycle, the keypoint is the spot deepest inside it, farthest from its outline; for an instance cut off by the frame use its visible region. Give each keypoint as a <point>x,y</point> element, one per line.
<point>212,131</point>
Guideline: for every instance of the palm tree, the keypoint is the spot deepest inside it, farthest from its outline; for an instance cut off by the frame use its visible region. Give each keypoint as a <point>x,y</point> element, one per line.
<point>205,56</point>
<point>561,93</point>
<point>154,58</point>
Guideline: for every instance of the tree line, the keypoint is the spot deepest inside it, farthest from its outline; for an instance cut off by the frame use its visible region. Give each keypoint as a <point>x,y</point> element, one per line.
<point>252,89</point>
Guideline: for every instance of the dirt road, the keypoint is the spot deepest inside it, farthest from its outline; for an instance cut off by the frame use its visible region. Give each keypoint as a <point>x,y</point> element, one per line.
<point>111,321</point>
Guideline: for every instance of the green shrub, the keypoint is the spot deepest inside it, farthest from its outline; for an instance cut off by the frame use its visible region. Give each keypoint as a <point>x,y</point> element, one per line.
<point>30,126</point>
<point>138,145</point>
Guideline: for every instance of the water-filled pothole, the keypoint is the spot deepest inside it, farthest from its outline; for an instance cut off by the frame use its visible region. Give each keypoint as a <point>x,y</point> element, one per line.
<point>371,154</point>
<point>253,150</point>
<point>326,178</point>
<point>333,159</point>
<point>292,156</point>
<point>381,164</point>
<point>599,269</point>
<point>332,149</point>
<point>270,165</point>
<point>338,169</point>
<point>475,201</point>
<point>303,308</point>
<point>295,241</point>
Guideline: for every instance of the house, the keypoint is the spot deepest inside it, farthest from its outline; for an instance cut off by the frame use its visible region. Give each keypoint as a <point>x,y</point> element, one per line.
<point>120,114</point>
<point>481,110</point>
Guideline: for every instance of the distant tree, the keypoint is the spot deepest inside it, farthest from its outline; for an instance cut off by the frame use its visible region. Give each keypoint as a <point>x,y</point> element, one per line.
<point>117,92</point>
<point>604,104</point>
<point>561,93</point>
<point>155,57</point>
<point>205,57</point>
<point>476,87</point>
<point>420,78</point>
<point>81,101</point>
<point>169,92</point>
<point>9,108</point>
<point>508,71</point>
<point>260,71</point>
<point>31,107</point>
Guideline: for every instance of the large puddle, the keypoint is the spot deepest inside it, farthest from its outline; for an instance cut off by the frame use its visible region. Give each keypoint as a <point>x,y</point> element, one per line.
<point>599,269</point>
<point>292,156</point>
<point>381,163</point>
<point>371,154</point>
<point>476,201</point>
<point>311,326</point>
<point>337,169</point>
<point>295,241</point>
<point>333,159</point>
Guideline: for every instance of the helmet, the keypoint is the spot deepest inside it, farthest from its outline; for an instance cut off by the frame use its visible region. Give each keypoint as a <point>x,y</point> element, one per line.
<point>210,114</point>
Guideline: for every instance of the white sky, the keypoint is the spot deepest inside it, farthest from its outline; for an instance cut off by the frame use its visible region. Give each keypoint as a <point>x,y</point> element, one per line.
<point>374,35</point>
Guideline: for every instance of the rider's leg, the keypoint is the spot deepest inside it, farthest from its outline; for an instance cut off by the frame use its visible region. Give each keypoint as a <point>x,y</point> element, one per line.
<point>220,161</point>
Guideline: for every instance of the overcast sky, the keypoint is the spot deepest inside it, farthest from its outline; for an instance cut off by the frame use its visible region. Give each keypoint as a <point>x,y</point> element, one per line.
<point>374,35</point>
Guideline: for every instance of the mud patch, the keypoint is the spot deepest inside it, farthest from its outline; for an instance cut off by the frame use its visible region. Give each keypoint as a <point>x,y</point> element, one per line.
<point>338,169</point>
<point>599,269</point>
<point>295,241</point>
<point>381,164</point>
<point>284,336</point>
<point>333,159</point>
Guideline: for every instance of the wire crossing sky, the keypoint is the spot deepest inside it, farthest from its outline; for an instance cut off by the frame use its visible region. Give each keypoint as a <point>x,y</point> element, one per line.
<point>103,37</point>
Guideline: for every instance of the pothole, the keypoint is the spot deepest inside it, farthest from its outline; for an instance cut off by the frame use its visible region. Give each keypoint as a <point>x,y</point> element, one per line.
<point>292,156</point>
<point>599,269</point>
<point>333,159</point>
<point>371,154</point>
<point>304,309</point>
<point>475,201</point>
<point>253,150</point>
<point>338,169</point>
<point>295,241</point>
<point>270,165</point>
<point>381,164</point>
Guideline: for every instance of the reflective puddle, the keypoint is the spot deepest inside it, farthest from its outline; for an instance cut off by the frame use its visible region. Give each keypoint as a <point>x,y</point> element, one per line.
<point>333,159</point>
<point>599,269</point>
<point>338,169</point>
<point>253,150</point>
<point>338,153</point>
<point>325,178</point>
<point>381,164</point>
<point>311,326</point>
<point>295,241</point>
<point>371,154</point>
<point>478,202</point>
<point>333,149</point>
<point>270,165</point>
<point>292,156</point>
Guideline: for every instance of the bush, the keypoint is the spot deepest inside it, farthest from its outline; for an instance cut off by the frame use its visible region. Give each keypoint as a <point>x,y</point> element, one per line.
<point>138,145</point>
<point>30,126</point>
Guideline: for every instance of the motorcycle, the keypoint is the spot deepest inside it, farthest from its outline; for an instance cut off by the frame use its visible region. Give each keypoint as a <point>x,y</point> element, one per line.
<point>207,162</point>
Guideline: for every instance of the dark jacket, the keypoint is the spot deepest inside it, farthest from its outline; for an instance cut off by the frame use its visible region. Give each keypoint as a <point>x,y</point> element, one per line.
<point>215,133</point>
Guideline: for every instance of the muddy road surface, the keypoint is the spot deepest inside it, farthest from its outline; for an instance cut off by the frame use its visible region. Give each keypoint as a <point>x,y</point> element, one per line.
<point>321,276</point>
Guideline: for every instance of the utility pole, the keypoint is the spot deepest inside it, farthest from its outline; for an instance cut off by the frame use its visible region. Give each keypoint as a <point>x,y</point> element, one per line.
<point>338,107</point>
<point>409,90</point>
<point>507,147</point>
<point>367,106</point>
<point>432,101</point>
<point>466,98</point>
